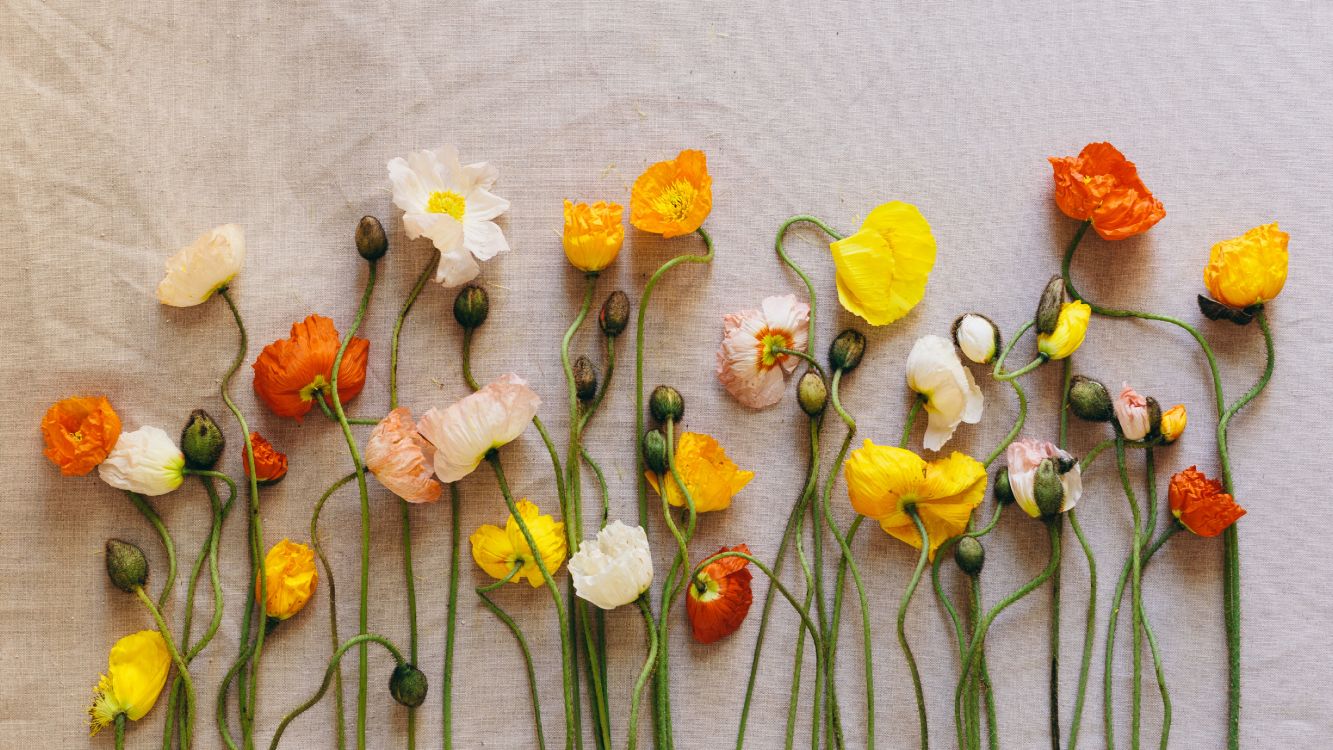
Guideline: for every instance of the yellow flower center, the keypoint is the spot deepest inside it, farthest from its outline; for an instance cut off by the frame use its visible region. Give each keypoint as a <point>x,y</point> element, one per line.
<point>705,589</point>
<point>447,202</point>
<point>673,203</point>
<point>316,386</point>
<point>769,341</point>
<point>77,436</point>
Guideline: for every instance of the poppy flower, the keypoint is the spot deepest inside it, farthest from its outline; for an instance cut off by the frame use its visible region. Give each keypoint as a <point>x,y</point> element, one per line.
<point>749,369</point>
<point>881,270</point>
<point>202,268</point>
<point>289,577</point>
<point>1250,269</point>
<point>79,433</point>
<point>720,597</point>
<point>1134,414</point>
<point>1200,504</point>
<point>291,373</point>
<point>951,393</point>
<point>146,461</point>
<point>478,423</point>
<point>1173,423</point>
<point>401,459</point>
<point>711,477</point>
<point>498,551</point>
<point>136,672</point>
<point>1071,328</point>
<point>1102,186</point>
<point>1024,458</point>
<point>613,568</point>
<point>270,464</point>
<point>673,197</point>
<point>593,234</point>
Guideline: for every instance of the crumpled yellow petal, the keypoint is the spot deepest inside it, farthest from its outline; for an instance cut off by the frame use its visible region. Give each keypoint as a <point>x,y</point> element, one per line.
<point>548,533</point>
<point>492,551</point>
<point>877,477</point>
<point>882,269</point>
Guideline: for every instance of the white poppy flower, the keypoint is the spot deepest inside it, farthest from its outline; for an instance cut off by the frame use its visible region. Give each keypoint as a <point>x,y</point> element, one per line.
<point>470,428</point>
<point>203,267</point>
<point>952,395</point>
<point>613,569</point>
<point>977,337</point>
<point>451,204</point>
<point>146,461</point>
<point>1024,457</point>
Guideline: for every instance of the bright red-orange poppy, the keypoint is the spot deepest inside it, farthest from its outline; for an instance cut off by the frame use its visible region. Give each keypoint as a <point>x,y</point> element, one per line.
<point>719,598</point>
<point>290,372</point>
<point>1101,185</point>
<point>79,432</point>
<point>270,463</point>
<point>1200,504</point>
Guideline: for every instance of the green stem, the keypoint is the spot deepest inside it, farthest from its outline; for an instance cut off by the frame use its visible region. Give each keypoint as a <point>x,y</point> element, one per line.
<point>409,579</point>
<point>364,638</point>
<point>674,584</point>
<point>645,673</point>
<point>398,327</point>
<point>120,731</point>
<point>182,669</point>
<point>1089,632</point>
<point>339,721</point>
<point>1136,577</point>
<point>451,618</point>
<point>146,508</point>
<point>902,623</point>
<point>1025,369</point>
<point>247,648</point>
<point>517,631</point>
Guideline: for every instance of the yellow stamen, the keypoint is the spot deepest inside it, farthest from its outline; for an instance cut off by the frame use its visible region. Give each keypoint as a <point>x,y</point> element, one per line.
<point>316,386</point>
<point>447,202</point>
<point>673,203</point>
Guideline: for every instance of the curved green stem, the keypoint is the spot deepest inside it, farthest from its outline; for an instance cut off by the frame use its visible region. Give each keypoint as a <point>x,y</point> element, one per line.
<point>522,640</point>
<point>182,669</point>
<point>1089,632</point>
<point>398,326</point>
<point>902,623</point>
<point>364,638</point>
<point>645,673</point>
<point>247,647</point>
<point>675,583</point>
<point>1136,600</point>
<point>339,721</point>
<point>146,508</point>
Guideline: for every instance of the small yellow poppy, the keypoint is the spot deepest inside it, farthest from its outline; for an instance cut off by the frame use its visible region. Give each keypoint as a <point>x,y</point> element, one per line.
<point>290,577</point>
<point>1070,330</point>
<point>593,234</point>
<point>498,550</point>
<point>711,477</point>
<point>1173,423</point>
<point>135,674</point>
<point>1250,269</point>
<point>882,269</point>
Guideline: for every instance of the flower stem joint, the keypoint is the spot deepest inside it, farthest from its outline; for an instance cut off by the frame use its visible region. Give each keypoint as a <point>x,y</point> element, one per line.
<point>666,404</point>
<point>471,307</point>
<point>846,351</point>
<point>202,441</point>
<point>126,565</point>
<point>371,243</point>
<point>408,685</point>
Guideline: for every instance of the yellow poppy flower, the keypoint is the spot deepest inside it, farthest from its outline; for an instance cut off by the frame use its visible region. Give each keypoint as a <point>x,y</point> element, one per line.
<point>1070,330</point>
<point>712,478</point>
<point>1173,423</point>
<point>882,269</point>
<point>1250,269</point>
<point>884,481</point>
<point>498,550</point>
<point>136,670</point>
<point>593,234</point>
<point>290,577</point>
<point>673,197</point>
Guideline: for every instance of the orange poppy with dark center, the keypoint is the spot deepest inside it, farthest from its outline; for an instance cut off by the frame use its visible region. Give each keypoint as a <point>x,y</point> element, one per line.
<point>291,373</point>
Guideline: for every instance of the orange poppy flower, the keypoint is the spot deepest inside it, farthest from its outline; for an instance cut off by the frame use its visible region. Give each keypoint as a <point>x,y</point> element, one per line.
<point>1101,185</point>
<point>674,197</point>
<point>1200,504</point>
<point>720,597</point>
<point>79,433</point>
<point>270,464</point>
<point>290,372</point>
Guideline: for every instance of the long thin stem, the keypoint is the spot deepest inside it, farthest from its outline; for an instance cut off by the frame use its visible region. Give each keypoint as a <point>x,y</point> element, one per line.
<point>182,669</point>
<point>902,624</point>
<point>339,719</point>
<point>674,584</point>
<point>1136,577</point>
<point>146,509</point>
<point>645,673</point>
<point>1089,632</point>
<point>364,638</point>
<point>522,640</point>
<point>451,619</point>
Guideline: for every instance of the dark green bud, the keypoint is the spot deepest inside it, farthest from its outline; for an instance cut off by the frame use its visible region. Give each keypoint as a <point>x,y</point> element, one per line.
<point>126,565</point>
<point>666,403</point>
<point>1154,419</point>
<point>585,378</point>
<point>614,316</point>
<point>1090,400</point>
<point>1047,489</point>
<point>370,240</point>
<point>812,393</point>
<point>471,306</point>
<point>970,555</point>
<point>408,685</point>
<point>846,351</point>
<point>202,441</point>
<point>655,451</point>
<point>1048,309</point>
<point>1003,493</point>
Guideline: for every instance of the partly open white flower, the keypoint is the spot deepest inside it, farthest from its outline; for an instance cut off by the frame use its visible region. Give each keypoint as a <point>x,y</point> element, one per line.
<point>203,267</point>
<point>613,569</point>
<point>452,205</point>
<point>746,364</point>
<point>1132,413</point>
<point>470,428</point>
<point>146,461</point>
<point>1024,457</point>
<point>951,393</point>
<point>977,337</point>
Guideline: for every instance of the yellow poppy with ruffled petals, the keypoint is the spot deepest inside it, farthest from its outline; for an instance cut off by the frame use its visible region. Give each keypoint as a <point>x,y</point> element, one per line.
<point>882,269</point>
<point>593,234</point>
<point>290,577</point>
<point>1250,269</point>
<point>884,482</point>
<point>1070,330</point>
<point>498,551</point>
<point>711,477</point>
<point>136,671</point>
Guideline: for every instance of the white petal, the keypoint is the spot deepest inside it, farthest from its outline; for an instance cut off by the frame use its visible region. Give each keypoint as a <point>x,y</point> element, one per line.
<point>481,174</point>
<point>482,205</point>
<point>145,461</point>
<point>457,267</point>
<point>411,190</point>
<point>484,239</point>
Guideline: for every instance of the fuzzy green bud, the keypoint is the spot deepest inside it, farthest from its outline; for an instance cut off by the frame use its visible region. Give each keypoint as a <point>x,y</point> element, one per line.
<point>1000,489</point>
<point>1048,309</point>
<point>202,441</point>
<point>970,555</point>
<point>1090,400</point>
<point>1047,489</point>
<point>471,306</point>
<point>655,451</point>
<point>585,378</point>
<point>614,316</point>
<point>847,349</point>
<point>408,685</point>
<point>1154,419</point>
<point>666,403</point>
<point>370,240</point>
<point>126,565</point>
<point>812,393</point>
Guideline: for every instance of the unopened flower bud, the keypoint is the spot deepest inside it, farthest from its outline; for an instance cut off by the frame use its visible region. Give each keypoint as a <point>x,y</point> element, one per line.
<point>847,349</point>
<point>202,441</point>
<point>471,306</point>
<point>1090,400</point>
<point>812,393</point>
<point>970,555</point>
<point>1047,489</point>
<point>977,337</point>
<point>1154,420</point>
<point>408,685</point>
<point>614,316</point>
<point>126,565</point>
<point>585,378</point>
<point>666,403</point>
<point>1048,309</point>
<point>370,240</point>
<point>655,451</point>
<point>1001,490</point>
<point>1173,423</point>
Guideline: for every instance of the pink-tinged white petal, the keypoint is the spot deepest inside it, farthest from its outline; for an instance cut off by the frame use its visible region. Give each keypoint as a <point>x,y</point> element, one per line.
<point>466,431</point>
<point>1131,412</point>
<point>401,459</point>
<point>1023,457</point>
<point>746,365</point>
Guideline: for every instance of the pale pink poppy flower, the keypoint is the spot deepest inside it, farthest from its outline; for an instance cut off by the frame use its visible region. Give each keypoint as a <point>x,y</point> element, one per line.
<point>1131,411</point>
<point>470,428</point>
<point>1023,457</point>
<point>401,459</point>
<point>749,369</point>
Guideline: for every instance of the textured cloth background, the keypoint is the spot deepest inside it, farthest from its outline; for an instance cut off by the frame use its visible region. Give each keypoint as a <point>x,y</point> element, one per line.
<point>127,131</point>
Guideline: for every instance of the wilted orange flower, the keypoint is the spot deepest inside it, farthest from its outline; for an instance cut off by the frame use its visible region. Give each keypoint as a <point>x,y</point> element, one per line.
<point>720,597</point>
<point>79,433</point>
<point>290,372</point>
<point>270,464</point>
<point>674,197</point>
<point>1101,185</point>
<point>1200,504</point>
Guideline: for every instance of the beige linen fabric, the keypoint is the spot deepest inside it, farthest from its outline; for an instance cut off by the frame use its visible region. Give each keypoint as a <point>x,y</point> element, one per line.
<point>128,129</point>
